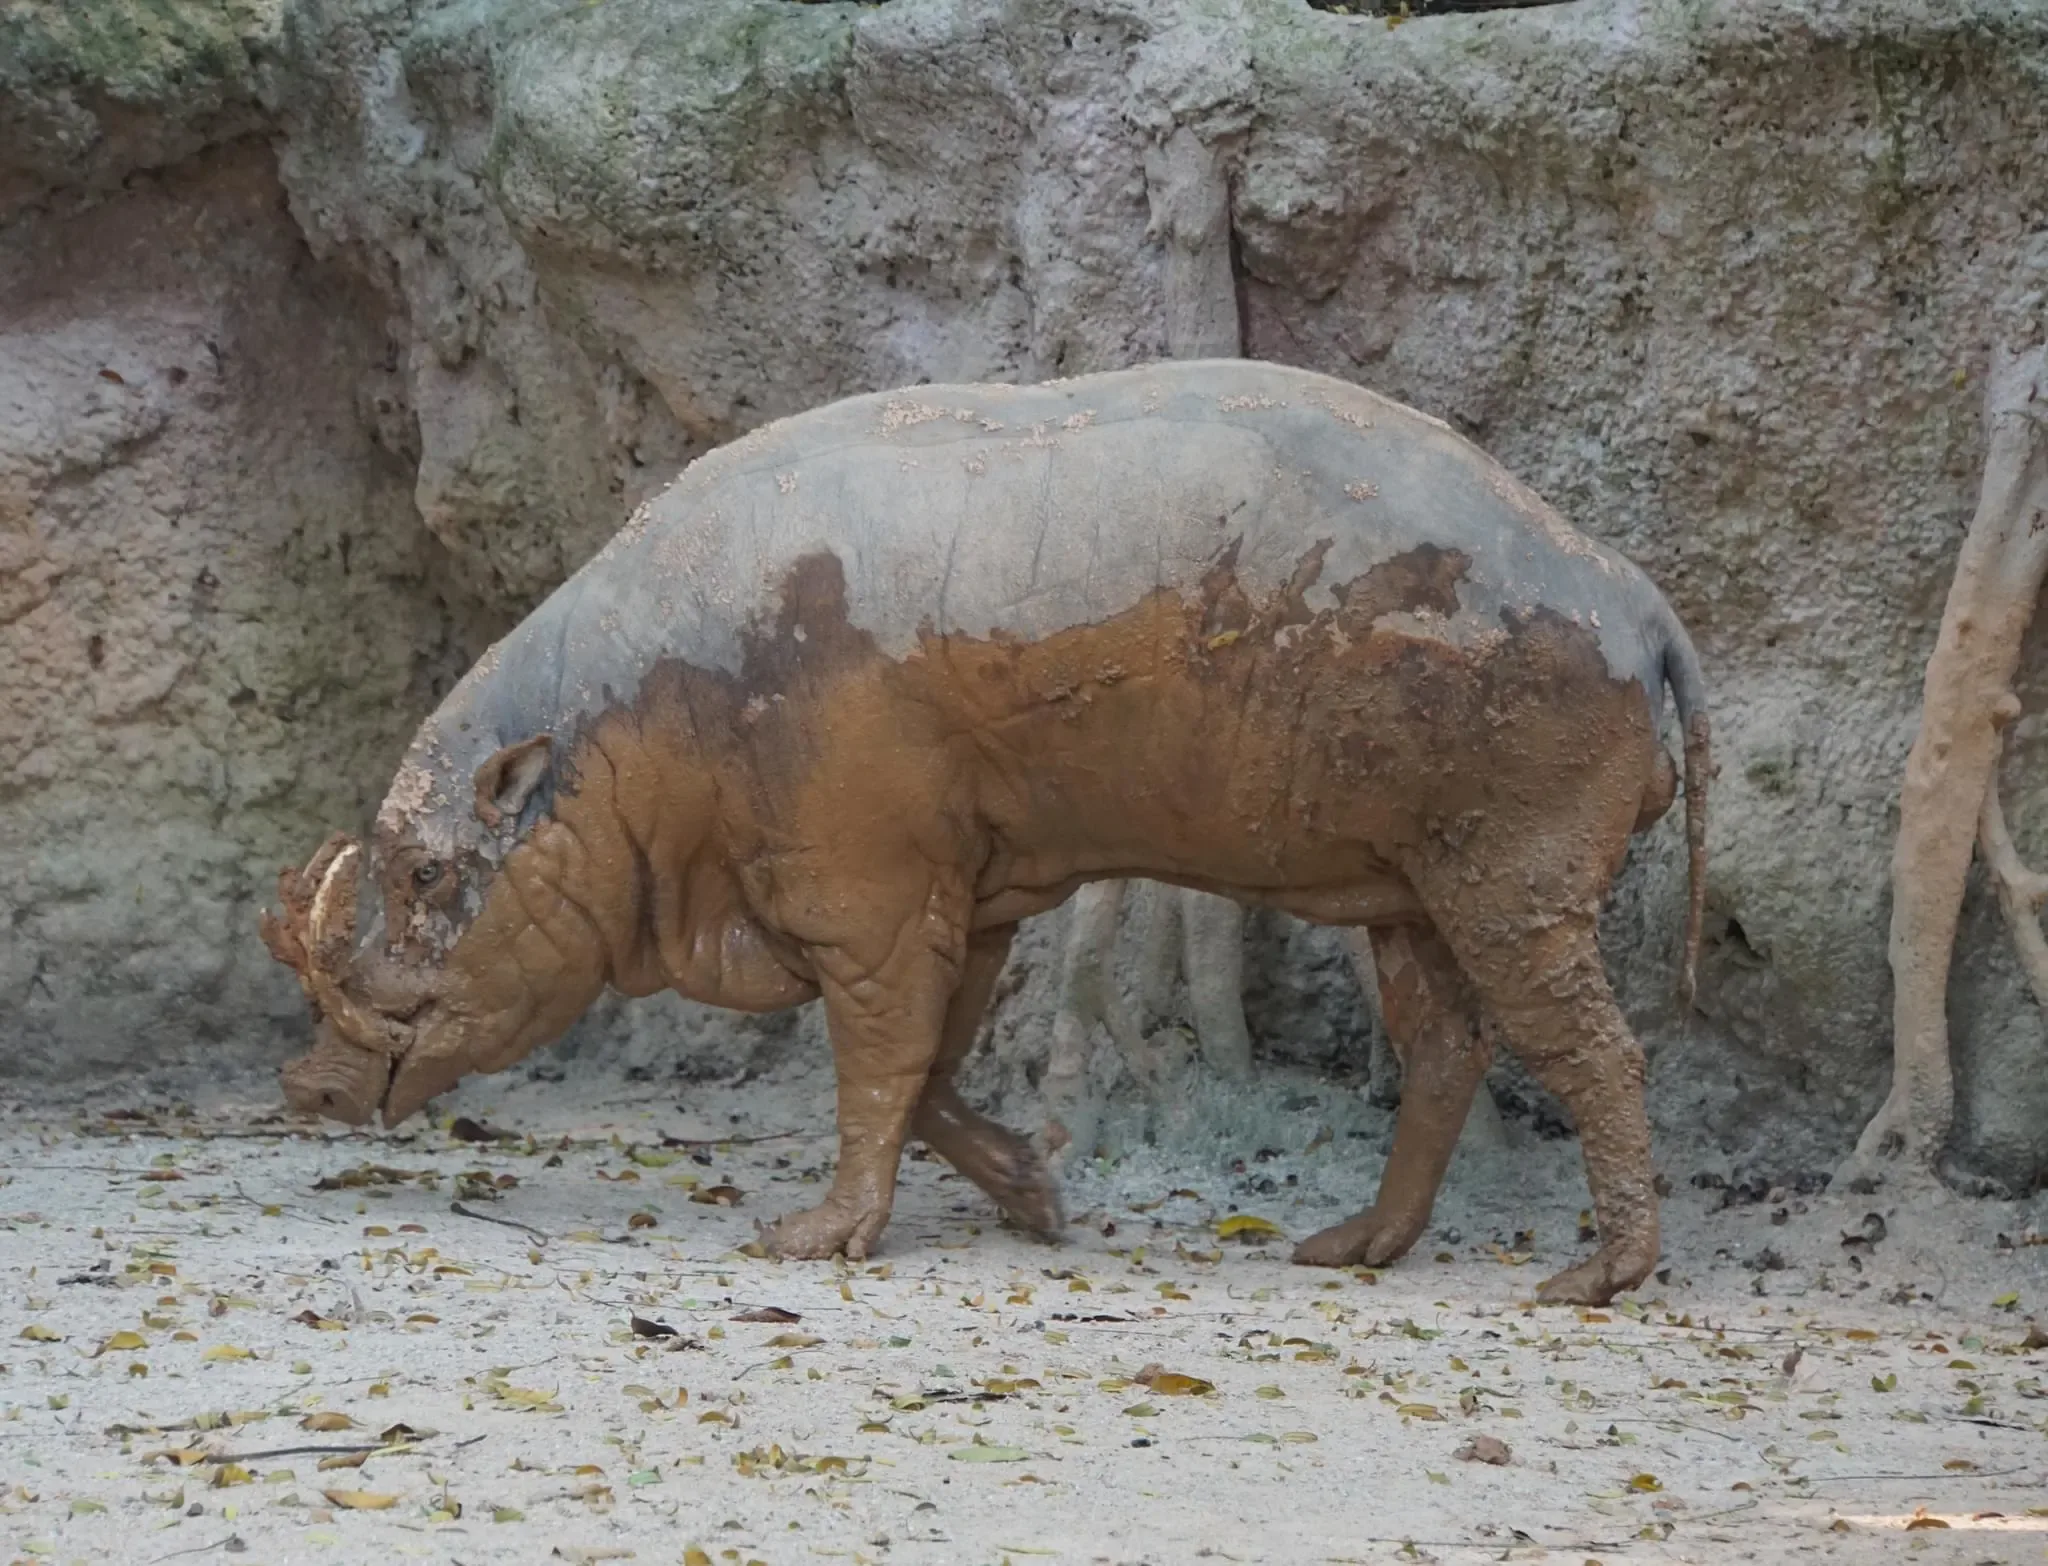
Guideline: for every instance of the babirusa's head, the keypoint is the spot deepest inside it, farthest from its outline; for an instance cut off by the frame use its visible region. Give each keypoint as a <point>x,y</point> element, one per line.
<point>451,942</point>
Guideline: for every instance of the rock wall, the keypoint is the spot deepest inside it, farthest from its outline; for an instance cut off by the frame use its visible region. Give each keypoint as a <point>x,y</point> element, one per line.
<point>449,284</point>
<point>218,613</point>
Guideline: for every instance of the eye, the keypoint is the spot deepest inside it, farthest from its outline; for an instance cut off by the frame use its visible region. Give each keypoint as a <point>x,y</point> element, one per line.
<point>427,875</point>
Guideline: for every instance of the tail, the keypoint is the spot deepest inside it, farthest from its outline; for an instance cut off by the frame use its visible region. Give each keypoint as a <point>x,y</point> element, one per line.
<point>1689,695</point>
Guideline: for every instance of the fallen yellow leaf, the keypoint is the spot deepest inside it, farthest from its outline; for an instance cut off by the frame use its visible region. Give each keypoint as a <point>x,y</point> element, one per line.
<point>361,1500</point>
<point>523,1397</point>
<point>223,1351</point>
<point>1245,1224</point>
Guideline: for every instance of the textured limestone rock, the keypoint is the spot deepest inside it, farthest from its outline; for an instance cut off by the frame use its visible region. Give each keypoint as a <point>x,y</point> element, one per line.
<point>1718,280</point>
<point>217,611</point>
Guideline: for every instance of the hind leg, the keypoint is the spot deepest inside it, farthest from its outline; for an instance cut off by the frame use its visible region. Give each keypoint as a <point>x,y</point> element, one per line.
<point>1538,972</point>
<point>1433,1019</point>
<point>1485,1131</point>
<point>1383,1065</point>
<point>994,1157</point>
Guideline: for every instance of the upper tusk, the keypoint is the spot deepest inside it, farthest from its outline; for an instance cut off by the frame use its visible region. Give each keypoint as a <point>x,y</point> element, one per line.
<point>334,885</point>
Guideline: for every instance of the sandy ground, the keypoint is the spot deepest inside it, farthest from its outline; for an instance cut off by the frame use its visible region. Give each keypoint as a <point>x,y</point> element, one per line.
<point>193,1331</point>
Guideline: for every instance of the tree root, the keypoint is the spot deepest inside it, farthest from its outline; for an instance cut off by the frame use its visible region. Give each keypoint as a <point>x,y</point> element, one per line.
<point>1948,800</point>
<point>2021,891</point>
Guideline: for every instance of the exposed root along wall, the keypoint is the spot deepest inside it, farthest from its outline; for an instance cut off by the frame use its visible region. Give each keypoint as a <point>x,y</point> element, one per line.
<point>1949,801</point>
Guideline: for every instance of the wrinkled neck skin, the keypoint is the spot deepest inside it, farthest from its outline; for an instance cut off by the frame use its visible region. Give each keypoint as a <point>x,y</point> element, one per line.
<point>479,944</point>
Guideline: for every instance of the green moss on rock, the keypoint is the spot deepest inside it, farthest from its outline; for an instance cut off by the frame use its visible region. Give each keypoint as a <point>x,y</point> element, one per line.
<point>629,119</point>
<point>135,52</point>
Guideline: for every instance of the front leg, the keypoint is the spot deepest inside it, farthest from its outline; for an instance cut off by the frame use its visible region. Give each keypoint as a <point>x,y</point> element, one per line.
<point>886,995</point>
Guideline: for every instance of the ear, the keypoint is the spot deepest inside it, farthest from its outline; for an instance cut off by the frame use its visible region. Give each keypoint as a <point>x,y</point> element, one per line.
<point>506,782</point>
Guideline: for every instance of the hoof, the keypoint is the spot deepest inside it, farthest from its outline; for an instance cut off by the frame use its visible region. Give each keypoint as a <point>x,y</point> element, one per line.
<point>1020,1178</point>
<point>1369,1239</point>
<point>822,1231</point>
<point>1596,1280</point>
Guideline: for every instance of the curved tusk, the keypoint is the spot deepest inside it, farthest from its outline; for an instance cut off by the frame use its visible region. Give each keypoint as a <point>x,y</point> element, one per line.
<point>335,885</point>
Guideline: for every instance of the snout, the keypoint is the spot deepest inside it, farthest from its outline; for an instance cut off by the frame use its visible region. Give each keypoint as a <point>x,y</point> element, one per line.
<point>369,1008</point>
<point>336,1079</point>
<point>417,1078</point>
<point>363,1050</point>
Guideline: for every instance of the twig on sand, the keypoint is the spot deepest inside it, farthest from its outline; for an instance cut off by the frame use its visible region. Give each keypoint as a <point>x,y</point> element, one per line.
<point>510,1223</point>
<point>732,1141</point>
<point>282,1207</point>
<point>1739,1506</point>
<point>1991,1424</point>
<point>1678,1424</point>
<point>188,1132</point>
<point>199,1549</point>
<point>128,1174</point>
<point>1971,1473</point>
<point>1520,1541</point>
<point>391,1448</point>
<point>307,1451</point>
